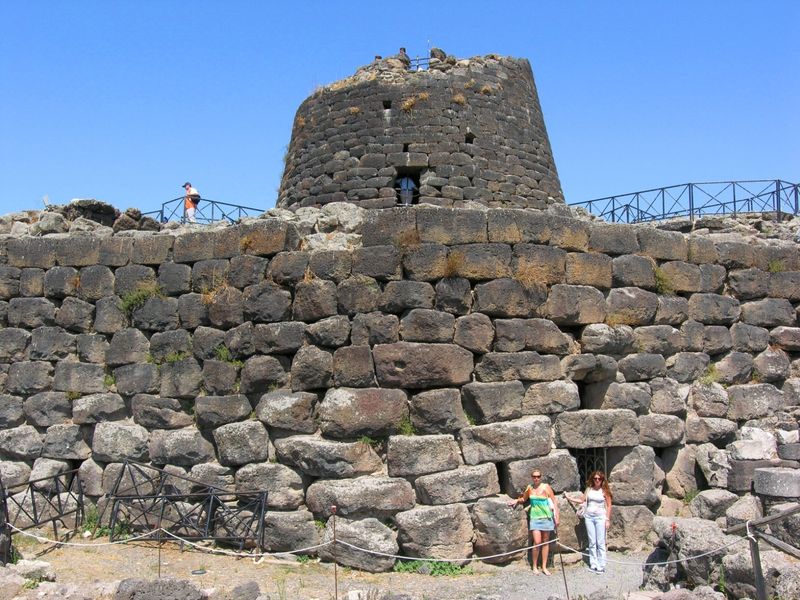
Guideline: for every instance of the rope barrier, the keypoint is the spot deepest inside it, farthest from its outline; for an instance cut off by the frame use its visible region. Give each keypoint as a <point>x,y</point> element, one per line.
<point>95,545</point>
<point>664,562</point>
<point>244,554</point>
<point>444,560</point>
<point>232,553</point>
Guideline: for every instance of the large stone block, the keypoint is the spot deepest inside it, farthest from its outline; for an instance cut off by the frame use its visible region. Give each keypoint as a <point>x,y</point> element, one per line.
<point>378,497</point>
<point>319,457</point>
<point>713,309</point>
<point>30,312</point>
<point>610,394</point>
<point>155,412</point>
<point>314,300</point>
<point>459,485</point>
<point>13,344</point>
<point>288,531</point>
<point>636,476</point>
<point>753,401</point>
<point>596,429</point>
<point>241,443</point>
<point>42,410</point>
<point>262,373</point>
<point>213,411</point>
<point>358,294</point>
<point>642,366</point>
<point>498,529</point>
<point>266,303</point>
<point>780,482</point>
<point>454,294</point>
<point>437,411</point>
<point>599,338</point>
<point>284,485</point>
<point>22,443</point>
<point>660,431</point>
<point>115,442</point>
<point>380,262</point>
<point>426,325</point>
<point>411,456</point>
<point>490,402</point>
<point>541,335</point>
<point>288,411</point>
<point>413,365</point>
<point>630,526</point>
<point>399,296</point>
<point>712,504</point>
<point>185,447</point>
<point>575,305</point>
<point>509,298</point>
<point>65,442</point>
<point>78,377</point>
<point>352,412</point>
<point>559,470</point>
<point>633,271</point>
<point>374,537</point>
<point>451,226</point>
<point>474,332</point>
<point>702,430</point>
<point>630,306</point>
<point>96,408</point>
<point>436,531</point>
<point>12,412</point>
<point>501,441</point>
<point>613,238</point>
<point>525,366</point>
<point>29,377</point>
<point>590,268</point>
<point>770,312</point>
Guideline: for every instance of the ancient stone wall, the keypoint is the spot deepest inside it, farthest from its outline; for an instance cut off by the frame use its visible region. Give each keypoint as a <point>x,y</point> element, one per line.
<point>468,130</point>
<point>413,377</point>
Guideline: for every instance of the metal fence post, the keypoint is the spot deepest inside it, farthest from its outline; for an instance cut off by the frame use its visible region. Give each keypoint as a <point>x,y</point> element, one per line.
<point>691,203</point>
<point>335,561</point>
<point>5,528</point>
<point>778,200</point>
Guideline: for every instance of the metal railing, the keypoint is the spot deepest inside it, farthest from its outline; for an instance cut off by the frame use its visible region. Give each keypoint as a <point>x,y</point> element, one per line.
<point>147,498</point>
<point>694,200</point>
<point>44,500</point>
<point>419,63</point>
<point>207,211</point>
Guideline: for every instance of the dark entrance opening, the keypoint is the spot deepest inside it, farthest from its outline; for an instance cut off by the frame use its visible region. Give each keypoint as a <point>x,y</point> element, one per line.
<point>589,460</point>
<point>387,104</point>
<point>469,138</point>
<point>407,185</point>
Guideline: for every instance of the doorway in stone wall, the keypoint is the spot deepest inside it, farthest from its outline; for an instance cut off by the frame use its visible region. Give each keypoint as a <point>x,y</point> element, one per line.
<point>407,185</point>
<point>589,460</point>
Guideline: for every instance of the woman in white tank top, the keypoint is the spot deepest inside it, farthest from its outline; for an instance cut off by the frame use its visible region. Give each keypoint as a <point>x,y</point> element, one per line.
<point>596,501</point>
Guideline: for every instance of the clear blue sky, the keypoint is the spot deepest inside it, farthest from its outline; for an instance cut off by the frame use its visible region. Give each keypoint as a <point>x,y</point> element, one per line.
<point>125,100</point>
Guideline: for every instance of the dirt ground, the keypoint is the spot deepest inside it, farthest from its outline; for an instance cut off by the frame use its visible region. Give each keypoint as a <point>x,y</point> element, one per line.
<point>312,580</point>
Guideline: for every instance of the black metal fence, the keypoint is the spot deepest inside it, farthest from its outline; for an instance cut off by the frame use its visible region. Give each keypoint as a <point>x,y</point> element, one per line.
<point>694,200</point>
<point>54,499</point>
<point>207,211</point>
<point>147,498</point>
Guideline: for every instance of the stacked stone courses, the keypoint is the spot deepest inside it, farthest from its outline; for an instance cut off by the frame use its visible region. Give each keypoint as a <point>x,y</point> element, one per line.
<point>470,130</point>
<point>413,379</point>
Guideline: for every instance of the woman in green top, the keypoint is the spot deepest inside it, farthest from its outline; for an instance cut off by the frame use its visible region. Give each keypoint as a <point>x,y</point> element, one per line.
<point>543,515</point>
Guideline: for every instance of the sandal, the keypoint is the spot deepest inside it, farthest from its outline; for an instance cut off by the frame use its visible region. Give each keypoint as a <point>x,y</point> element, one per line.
<point>546,572</point>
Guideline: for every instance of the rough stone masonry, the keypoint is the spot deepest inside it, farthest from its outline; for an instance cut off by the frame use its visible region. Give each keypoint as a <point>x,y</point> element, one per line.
<point>408,365</point>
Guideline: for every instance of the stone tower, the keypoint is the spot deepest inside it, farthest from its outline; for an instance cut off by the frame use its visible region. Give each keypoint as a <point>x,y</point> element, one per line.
<point>460,132</point>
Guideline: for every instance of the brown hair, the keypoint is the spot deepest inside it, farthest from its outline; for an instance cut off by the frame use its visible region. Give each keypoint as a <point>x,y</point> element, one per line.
<point>604,485</point>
